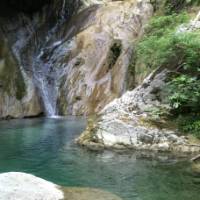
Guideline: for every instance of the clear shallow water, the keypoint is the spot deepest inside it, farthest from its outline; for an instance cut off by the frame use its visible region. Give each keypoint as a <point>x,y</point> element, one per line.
<point>45,148</point>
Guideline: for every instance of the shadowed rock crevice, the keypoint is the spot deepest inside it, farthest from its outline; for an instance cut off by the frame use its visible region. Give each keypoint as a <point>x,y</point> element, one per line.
<point>114,53</point>
<point>12,7</point>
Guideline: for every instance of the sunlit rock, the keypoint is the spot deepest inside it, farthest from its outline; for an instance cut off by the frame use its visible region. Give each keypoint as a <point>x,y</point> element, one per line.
<point>21,186</point>
<point>127,121</point>
<point>99,55</point>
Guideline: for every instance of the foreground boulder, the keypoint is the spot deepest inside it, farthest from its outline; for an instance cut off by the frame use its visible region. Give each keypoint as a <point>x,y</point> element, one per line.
<point>21,186</point>
<point>126,123</point>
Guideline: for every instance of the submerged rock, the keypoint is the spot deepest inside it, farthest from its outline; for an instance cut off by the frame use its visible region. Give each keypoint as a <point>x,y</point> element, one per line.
<point>88,194</point>
<point>21,186</point>
<point>196,164</point>
<point>127,121</point>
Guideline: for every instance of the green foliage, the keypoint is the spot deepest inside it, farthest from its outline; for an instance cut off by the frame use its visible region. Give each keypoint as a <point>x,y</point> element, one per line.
<point>157,46</point>
<point>185,93</point>
<point>189,125</point>
<point>164,47</point>
<point>157,112</point>
<point>162,25</point>
<point>185,87</point>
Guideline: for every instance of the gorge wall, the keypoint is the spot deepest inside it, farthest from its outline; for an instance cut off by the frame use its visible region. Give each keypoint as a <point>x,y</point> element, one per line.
<point>15,101</point>
<point>66,57</point>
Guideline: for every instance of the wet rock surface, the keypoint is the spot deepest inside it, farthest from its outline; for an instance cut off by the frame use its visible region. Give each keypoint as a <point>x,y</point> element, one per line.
<point>196,164</point>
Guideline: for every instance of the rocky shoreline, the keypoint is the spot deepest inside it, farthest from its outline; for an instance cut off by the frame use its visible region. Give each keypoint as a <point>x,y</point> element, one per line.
<point>126,123</point>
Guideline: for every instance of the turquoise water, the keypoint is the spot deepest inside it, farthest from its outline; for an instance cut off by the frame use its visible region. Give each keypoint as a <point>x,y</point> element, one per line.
<point>45,148</point>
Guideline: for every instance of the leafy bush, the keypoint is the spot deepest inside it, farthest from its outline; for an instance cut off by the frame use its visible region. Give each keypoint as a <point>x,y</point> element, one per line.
<point>163,46</point>
<point>162,25</point>
<point>185,93</point>
<point>185,87</point>
<point>156,48</point>
<point>189,125</point>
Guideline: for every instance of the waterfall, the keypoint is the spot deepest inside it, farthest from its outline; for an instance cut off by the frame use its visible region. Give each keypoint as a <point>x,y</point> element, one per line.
<point>47,71</point>
<point>40,43</point>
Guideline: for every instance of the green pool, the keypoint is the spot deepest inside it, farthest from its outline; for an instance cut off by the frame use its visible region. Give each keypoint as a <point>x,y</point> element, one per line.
<point>45,148</point>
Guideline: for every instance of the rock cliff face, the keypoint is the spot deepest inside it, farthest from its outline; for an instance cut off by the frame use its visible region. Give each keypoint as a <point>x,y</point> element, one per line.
<point>27,34</point>
<point>17,94</point>
<point>73,56</point>
<point>99,56</point>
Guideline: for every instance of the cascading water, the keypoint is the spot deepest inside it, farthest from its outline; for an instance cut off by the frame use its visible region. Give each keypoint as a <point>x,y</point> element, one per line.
<point>47,77</point>
<point>48,68</point>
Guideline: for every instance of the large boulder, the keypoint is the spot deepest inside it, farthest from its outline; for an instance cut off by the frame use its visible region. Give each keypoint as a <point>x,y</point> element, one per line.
<point>127,122</point>
<point>21,186</point>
